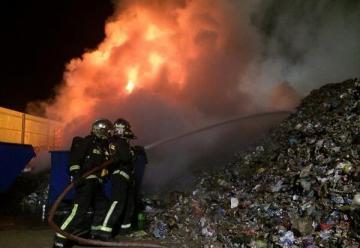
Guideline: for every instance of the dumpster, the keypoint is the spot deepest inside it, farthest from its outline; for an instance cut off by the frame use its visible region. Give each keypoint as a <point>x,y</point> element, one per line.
<point>59,176</point>
<point>13,159</point>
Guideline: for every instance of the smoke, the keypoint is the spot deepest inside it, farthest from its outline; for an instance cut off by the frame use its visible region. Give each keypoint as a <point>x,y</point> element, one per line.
<point>306,43</point>
<point>167,67</point>
<point>174,164</point>
<point>40,163</point>
<point>172,66</point>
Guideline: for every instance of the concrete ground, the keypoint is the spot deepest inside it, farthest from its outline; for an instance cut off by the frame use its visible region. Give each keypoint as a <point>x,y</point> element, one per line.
<point>26,238</point>
<point>15,233</point>
<point>24,232</point>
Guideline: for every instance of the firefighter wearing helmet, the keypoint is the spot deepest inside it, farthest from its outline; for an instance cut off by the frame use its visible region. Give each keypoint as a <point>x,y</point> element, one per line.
<point>122,197</point>
<point>85,154</point>
<point>122,129</point>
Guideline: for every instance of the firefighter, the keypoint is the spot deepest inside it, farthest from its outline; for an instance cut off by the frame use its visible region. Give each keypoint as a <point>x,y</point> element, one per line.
<point>120,209</point>
<point>85,154</point>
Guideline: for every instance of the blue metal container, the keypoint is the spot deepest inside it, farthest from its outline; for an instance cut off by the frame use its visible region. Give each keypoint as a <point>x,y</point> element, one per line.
<point>59,176</point>
<point>13,159</point>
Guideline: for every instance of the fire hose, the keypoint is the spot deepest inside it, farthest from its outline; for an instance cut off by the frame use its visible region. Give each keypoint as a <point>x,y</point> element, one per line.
<point>218,124</point>
<point>84,241</point>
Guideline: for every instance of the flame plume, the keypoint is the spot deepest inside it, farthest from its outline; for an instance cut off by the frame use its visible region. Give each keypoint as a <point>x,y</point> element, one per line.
<point>169,65</point>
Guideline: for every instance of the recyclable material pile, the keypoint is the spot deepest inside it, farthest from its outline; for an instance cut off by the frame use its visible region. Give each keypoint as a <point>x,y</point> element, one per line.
<point>299,188</point>
<point>26,196</point>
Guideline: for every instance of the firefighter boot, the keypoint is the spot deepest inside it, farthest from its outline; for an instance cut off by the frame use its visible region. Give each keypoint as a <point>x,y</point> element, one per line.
<point>60,242</point>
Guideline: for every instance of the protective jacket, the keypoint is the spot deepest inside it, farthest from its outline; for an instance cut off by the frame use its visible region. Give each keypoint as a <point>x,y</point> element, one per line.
<point>87,153</point>
<point>122,155</point>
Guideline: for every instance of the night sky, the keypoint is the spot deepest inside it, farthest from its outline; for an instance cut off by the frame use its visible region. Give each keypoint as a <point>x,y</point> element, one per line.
<point>39,38</point>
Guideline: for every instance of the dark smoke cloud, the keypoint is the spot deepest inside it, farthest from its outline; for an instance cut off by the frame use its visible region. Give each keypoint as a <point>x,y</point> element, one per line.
<point>307,43</point>
<point>234,57</point>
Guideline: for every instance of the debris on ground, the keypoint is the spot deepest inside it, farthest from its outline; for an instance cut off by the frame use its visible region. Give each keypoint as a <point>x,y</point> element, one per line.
<point>299,188</point>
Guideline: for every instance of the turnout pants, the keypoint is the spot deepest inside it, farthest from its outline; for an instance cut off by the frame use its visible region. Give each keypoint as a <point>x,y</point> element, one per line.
<point>90,193</point>
<point>130,207</point>
<point>122,203</point>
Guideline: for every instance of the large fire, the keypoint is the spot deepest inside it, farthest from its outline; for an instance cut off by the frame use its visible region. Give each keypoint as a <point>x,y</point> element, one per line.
<point>168,60</point>
<point>138,45</point>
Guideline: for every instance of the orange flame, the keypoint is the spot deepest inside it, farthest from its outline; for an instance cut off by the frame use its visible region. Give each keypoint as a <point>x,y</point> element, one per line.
<point>130,87</point>
<point>155,60</point>
<point>166,48</point>
<point>153,32</point>
<point>132,79</point>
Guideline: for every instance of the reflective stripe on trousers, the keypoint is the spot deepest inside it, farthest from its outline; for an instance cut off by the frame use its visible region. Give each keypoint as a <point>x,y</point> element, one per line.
<point>122,173</point>
<point>109,213</point>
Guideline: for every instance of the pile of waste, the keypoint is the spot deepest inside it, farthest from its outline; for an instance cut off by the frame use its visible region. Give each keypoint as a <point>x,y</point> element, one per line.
<point>35,203</point>
<point>27,195</point>
<point>299,188</point>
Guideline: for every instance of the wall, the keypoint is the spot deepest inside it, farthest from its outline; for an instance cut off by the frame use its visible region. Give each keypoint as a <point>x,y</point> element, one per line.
<point>21,128</point>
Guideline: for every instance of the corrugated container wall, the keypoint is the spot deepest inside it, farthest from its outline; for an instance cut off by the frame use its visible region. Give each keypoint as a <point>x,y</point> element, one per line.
<point>21,128</point>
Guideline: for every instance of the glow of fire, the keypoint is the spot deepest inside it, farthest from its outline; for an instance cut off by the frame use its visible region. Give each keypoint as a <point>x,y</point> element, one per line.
<point>99,57</point>
<point>115,36</point>
<point>132,79</point>
<point>152,33</point>
<point>130,87</point>
<point>155,60</point>
<point>145,47</point>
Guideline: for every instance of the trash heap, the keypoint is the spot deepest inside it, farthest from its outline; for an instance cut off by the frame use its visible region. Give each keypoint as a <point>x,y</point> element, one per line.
<point>300,188</point>
<point>26,196</point>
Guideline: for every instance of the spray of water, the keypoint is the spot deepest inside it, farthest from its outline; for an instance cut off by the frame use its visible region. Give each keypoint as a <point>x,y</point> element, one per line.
<point>227,122</point>
<point>173,161</point>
